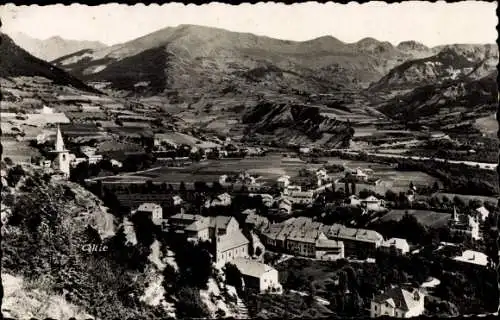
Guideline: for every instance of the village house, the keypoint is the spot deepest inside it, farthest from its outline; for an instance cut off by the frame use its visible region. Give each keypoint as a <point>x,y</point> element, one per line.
<point>395,246</point>
<point>199,230</point>
<point>180,221</point>
<point>270,234</point>
<point>153,211</point>
<point>230,246</point>
<point>482,213</point>
<point>222,225</point>
<point>464,225</point>
<point>327,249</point>
<point>301,197</point>
<point>258,275</point>
<point>256,221</point>
<point>90,154</point>
<point>222,200</point>
<point>355,240</point>
<point>371,203</point>
<point>283,182</point>
<point>284,205</point>
<point>398,303</point>
<point>472,258</point>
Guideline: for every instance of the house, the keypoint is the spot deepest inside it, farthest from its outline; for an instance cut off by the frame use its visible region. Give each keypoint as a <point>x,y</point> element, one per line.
<point>284,205</point>
<point>180,221</point>
<point>327,249</point>
<point>283,182</point>
<point>270,234</point>
<point>483,213</point>
<point>258,275</point>
<point>358,174</point>
<point>222,200</point>
<point>398,303</point>
<point>471,257</point>
<point>304,150</point>
<point>194,227</point>
<point>353,201</point>
<point>355,240</point>
<point>372,203</point>
<point>176,201</point>
<point>222,225</point>
<point>301,197</point>
<point>256,221</point>
<point>153,210</point>
<point>199,230</point>
<point>464,225</point>
<point>292,188</point>
<point>90,154</point>
<point>396,246</point>
<point>230,246</point>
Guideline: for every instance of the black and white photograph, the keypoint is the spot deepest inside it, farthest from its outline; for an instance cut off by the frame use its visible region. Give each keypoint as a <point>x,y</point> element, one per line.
<point>270,161</point>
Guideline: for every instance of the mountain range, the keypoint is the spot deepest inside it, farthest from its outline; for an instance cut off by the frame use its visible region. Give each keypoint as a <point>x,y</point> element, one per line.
<point>17,62</point>
<point>53,47</point>
<point>192,56</point>
<point>263,83</point>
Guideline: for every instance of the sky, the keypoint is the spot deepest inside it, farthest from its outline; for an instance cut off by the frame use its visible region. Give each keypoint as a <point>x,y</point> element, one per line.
<point>429,23</point>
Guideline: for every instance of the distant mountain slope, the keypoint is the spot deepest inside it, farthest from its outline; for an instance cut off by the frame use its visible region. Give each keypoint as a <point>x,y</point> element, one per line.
<point>303,125</point>
<point>54,47</point>
<point>451,63</point>
<point>465,98</point>
<point>16,62</point>
<point>190,56</point>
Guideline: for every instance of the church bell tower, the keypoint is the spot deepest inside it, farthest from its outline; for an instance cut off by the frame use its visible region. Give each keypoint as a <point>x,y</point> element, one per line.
<point>61,161</point>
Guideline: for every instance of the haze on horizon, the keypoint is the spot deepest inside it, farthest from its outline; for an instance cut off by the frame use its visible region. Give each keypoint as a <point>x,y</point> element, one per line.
<point>429,23</point>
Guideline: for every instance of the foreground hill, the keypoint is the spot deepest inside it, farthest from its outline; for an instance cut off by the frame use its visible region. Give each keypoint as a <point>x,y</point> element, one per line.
<point>190,56</point>
<point>452,62</point>
<point>54,47</point>
<point>16,62</point>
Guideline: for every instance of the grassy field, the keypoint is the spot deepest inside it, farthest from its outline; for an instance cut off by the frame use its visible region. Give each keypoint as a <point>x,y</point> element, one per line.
<point>427,218</point>
<point>267,168</point>
<point>487,125</point>
<point>465,197</point>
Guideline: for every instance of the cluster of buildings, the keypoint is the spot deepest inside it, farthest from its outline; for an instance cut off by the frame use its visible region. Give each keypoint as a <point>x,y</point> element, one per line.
<point>230,244</point>
<point>398,302</point>
<point>467,225</point>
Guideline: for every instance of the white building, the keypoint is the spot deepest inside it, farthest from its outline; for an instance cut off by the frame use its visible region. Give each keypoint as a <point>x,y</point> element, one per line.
<point>371,203</point>
<point>396,246</point>
<point>283,182</point>
<point>473,257</point>
<point>153,210</point>
<point>483,213</point>
<point>398,303</point>
<point>465,225</point>
<point>258,275</point>
<point>301,197</point>
<point>230,246</point>
<point>222,200</point>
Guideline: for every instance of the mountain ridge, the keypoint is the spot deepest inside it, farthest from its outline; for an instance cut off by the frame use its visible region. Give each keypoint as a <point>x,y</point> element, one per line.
<point>53,47</point>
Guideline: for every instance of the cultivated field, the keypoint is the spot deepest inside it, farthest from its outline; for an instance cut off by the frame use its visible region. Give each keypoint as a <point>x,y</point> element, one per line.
<point>427,218</point>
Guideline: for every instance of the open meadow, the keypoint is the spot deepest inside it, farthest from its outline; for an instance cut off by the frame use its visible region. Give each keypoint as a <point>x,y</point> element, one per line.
<point>425,217</point>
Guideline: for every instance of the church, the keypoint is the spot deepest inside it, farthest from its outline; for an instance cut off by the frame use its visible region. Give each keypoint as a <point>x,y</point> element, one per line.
<point>60,156</point>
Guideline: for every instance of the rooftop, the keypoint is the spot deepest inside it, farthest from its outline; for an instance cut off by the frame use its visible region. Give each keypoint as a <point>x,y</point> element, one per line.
<point>398,298</point>
<point>397,242</point>
<point>220,222</point>
<point>231,240</point>
<point>252,268</point>
<point>147,207</point>
<point>473,257</point>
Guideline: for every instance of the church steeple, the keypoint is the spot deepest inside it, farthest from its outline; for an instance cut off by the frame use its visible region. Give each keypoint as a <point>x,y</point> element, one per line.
<point>454,217</point>
<point>59,147</point>
<point>61,161</point>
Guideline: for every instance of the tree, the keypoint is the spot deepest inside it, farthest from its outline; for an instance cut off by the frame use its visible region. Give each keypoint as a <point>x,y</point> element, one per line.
<point>233,277</point>
<point>390,196</point>
<point>258,251</point>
